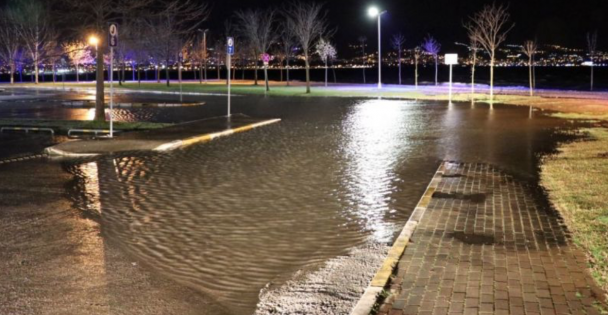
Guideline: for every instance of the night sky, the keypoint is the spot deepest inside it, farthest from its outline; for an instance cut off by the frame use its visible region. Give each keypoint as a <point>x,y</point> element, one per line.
<point>550,21</point>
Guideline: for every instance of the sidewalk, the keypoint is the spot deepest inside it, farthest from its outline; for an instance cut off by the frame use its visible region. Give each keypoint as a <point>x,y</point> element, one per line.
<point>164,139</point>
<point>488,245</point>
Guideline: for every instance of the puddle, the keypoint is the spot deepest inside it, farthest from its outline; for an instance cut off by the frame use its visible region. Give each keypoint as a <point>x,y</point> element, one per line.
<point>474,239</point>
<point>476,198</point>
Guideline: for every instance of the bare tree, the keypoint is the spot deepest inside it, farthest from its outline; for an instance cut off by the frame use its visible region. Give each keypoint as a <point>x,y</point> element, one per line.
<point>259,28</point>
<point>362,42</point>
<point>32,19</point>
<point>308,22</point>
<point>79,54</point>
<point>473,47</point>
<point>529,49</point>
<point>592,46</point>
<point>417,52</point>
<point>9,41</point>
<point>285,50</point>
<point>397,41</point>
<point>326,52</point>
<point>432,47</point>
<point>490,26</point>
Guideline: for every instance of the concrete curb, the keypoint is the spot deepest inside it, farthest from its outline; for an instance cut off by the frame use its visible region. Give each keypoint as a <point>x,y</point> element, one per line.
<point>210,136</point>
<point>50,151</point>
<point>88,104</point>
<point>382,277</point>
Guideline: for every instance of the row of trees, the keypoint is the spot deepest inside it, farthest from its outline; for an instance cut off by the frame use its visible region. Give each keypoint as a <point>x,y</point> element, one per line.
<point>162,31</point>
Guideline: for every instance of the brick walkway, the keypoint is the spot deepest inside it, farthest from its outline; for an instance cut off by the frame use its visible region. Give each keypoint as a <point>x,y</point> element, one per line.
<point>487,246</point>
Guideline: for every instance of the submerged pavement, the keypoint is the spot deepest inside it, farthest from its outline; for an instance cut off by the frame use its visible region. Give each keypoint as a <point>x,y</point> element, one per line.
<point>165,139</point>
<point>488,245</point>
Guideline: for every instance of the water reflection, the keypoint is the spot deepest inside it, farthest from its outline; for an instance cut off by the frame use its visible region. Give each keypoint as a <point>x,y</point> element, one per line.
<point>232,216</point>
<point>376,139</point>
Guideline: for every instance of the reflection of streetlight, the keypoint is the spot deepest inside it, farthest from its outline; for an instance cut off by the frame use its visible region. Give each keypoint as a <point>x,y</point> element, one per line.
<point>375,12</point>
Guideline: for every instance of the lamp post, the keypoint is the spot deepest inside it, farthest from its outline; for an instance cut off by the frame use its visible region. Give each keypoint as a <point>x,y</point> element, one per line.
<point>375,12</point>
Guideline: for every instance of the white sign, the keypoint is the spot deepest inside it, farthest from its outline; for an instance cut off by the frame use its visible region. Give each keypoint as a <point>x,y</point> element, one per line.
<point>451,59</point>
<point>230,46</point>
<point>113,35</point>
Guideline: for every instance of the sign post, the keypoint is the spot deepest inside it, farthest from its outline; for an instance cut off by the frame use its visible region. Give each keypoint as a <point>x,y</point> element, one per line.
<point>451,59</point>
<point>229,53</point>
<point>113,40</point>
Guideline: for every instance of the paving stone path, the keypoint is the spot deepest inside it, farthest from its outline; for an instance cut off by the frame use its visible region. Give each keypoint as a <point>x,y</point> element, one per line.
<point>488,245</point>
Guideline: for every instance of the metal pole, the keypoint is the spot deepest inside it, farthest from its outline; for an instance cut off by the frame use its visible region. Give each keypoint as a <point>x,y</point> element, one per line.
<point>379,52</point>
<point>111,91</point>
<point>450,83</point>
<point>228,66</point>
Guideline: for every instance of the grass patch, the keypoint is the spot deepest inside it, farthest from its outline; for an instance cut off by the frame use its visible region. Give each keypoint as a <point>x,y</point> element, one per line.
<point>577,182</point>
<point>581,116</point>
<point>62,126</point>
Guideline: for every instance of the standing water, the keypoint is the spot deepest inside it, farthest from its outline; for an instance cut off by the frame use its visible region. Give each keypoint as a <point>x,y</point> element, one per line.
<point>251,219</point>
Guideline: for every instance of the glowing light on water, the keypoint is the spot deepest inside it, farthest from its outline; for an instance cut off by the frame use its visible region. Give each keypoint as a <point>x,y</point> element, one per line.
<point>376,141</point>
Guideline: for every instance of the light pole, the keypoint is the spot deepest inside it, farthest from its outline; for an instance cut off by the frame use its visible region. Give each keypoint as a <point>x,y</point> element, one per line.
<point>375,12</point>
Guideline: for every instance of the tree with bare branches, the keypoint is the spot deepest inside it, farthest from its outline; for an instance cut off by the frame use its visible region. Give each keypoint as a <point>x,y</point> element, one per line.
<point>432,47</point>
<point>285,49</point>
<point>490,26</point>
<point>32,19</point>
<point>308,22</point>
<point>473,48</point>
<point>259,27</point>
<point>326,52</point>
<point>79,53</point>
<point>591,48</point>
<point>397,41</point>
<point>9,41</point>
<point>362,42</point>
<point>529,49</point>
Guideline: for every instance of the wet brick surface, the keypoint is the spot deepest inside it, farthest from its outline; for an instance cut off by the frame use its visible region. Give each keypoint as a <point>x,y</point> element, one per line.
<point>506,253</point>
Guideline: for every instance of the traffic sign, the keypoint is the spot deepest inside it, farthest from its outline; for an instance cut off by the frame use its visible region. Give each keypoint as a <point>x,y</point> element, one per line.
<point>113,35</point>
<point>230,46</point>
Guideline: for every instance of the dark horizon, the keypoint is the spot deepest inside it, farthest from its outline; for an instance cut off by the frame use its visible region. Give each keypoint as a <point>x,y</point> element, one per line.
<point>550,22</point>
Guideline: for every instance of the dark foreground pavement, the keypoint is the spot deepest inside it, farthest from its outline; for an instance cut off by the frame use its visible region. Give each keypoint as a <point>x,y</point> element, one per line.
<point>487,244</point>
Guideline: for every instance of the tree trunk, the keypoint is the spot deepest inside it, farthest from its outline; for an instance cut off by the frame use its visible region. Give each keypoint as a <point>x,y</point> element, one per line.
<point>530,75</point>
<point>13,72</point>
<point>436,70</point>
<point>36,66</point>
<point>255,73</point>
<point>591,89</point>
<point>399,66</point>
<point>281,70</point>
<point>167,75</point>
<point>77,76</point>
<point>99,96</point>
<point>200,75</point>
<point>287,71</point>
<point>139,75</point>
<point>326,73</point>
<point>266,77</point>
<point>473,72</point>
<point>416,74</point>
<point>307,73</point>
<point>157,72</point>
<point>491,80</point>
<point>54,73</point>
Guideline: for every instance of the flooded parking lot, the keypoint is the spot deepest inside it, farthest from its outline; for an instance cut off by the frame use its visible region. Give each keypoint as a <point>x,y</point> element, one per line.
<point>254,217</point>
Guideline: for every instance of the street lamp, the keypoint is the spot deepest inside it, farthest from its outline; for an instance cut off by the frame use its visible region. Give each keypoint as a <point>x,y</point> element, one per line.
<point>93,40</point>
<point>375,12</point>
